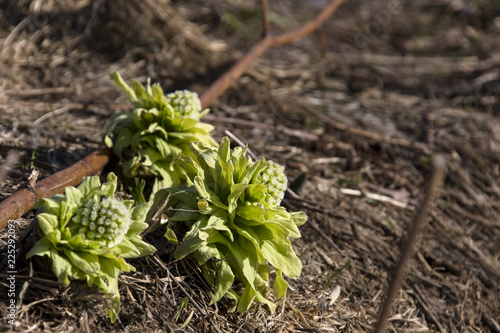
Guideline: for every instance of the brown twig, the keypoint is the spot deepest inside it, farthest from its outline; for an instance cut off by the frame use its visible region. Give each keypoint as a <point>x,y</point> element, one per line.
<point>433,186</point>
<point>423,147</point>
<point>228,78</point>
<point>23,200</point>
<point>265,17</point>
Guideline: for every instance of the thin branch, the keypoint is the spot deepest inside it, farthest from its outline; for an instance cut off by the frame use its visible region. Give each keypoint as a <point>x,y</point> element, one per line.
<point>265,18</point>
<point>51,114</point>
<point>235,72</point>
<point>423,147</point>
<point>23,199</point>
<point>241,144</point>
<point>433,186</point>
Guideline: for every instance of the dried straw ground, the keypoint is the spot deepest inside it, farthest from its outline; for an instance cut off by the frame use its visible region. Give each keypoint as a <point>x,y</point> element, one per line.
<point>356,112</point>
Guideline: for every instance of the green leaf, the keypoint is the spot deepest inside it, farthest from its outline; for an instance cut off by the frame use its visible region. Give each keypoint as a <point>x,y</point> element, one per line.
<point>86,262</point>
<point>191,242</point>
<point>299,218</point>
<point>108,142</point>
<point>142,100</point>
<point>142,249</point>
<point>256,192</point>
<point>207,194</point>
<point>111,266</point>
<point>42,248</point>
<point>77,242</point>
<point>117,79</point>
<point>231,294</point>
<point>108,189</point>
<point>236,191</point>
<point>65,214</point>
<point>126,249</point>
<point>61,267</point>
<point>72,195</point>
<point>252,212</point>
<point>163,147</point>
<point>47,222</point>
<point>159,199</point>
<point>170,234</point>
<point>157,96</point>
<point>282,257</point>
<point>188,123</point>
<point>139,212</point>
<point>134,140</point>
<point>246,299</point>
<point>89,186</point>
<point>54,237</point>
<point>245,261</point>
<point>261,299</point>
<point>206,155</point>
<point>253,171</point>
<point>280,222</point>
<point>122,141</point>
<point>136,228</point>
<point>184,212</point>
<point>279,286</point>
<point>188,165</point>
<point>115,308</point>
<point>51,205</point>
<point>225,182</point>
<point>225,279</point>
<point>223,151</point>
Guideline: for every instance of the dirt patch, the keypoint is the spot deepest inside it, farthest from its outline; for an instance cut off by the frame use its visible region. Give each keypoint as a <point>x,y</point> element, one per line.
<point>358,118</point>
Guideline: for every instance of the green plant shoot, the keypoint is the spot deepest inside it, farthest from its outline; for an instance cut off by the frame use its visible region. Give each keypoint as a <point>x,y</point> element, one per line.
<point>87,234</point>
<point>231,223</point>
<point>147,139</point>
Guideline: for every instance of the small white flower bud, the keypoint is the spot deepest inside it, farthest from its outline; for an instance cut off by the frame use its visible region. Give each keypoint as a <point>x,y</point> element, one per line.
<point>185,102</point>
<point>106,221</point>
<point>274,178</point>
<point>101,230</point>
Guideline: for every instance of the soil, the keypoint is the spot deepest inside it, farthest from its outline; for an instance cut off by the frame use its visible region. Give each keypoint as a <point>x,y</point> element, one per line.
<point>355,112</point>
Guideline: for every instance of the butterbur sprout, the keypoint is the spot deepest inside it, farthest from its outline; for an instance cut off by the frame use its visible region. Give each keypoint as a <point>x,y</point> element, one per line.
<point>231,214</point>
<point>147,139</point>
<point>87,234</point>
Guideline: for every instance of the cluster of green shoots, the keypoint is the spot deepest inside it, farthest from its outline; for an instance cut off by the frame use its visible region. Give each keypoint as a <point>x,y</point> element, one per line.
<point>224,209</point>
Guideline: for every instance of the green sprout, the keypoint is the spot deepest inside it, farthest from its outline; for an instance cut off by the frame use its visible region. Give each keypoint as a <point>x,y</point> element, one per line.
<point>231,222</point>
<point>88,234</point>
<point>147,139</point>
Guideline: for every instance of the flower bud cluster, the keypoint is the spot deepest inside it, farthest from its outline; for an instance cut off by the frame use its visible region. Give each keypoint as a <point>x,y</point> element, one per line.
<point>273,176</point>
<point>106,221</point>
<point>185,102</point>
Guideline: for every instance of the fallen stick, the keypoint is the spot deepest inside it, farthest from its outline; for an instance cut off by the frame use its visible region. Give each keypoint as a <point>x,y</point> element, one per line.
<point>23,199</point>
<point>433,186</point>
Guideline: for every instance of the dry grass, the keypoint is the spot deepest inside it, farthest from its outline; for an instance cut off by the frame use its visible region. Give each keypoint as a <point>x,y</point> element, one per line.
<point>361,124</point>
